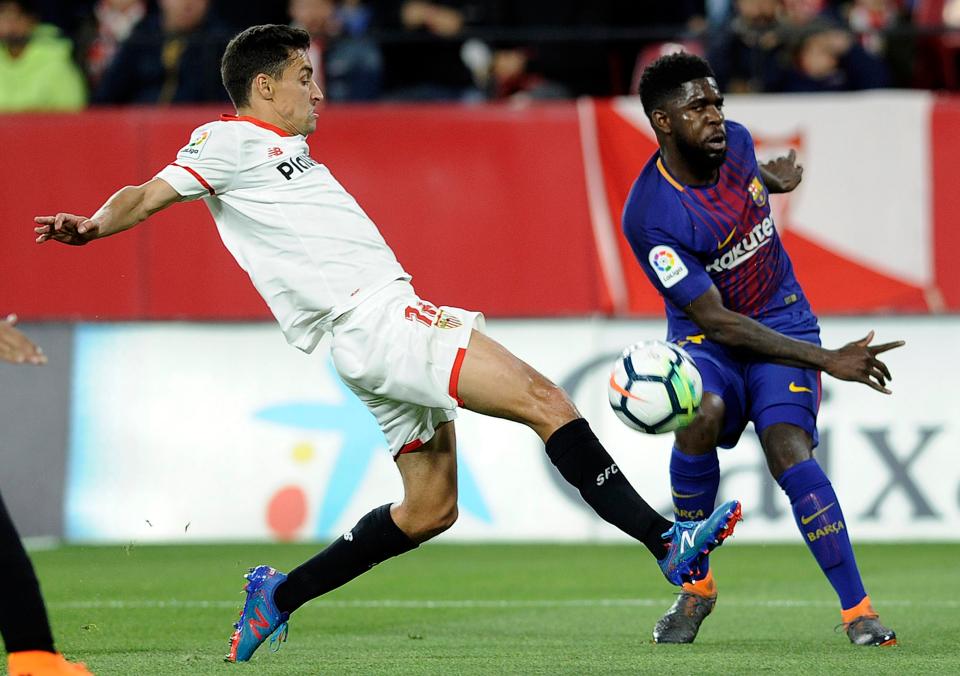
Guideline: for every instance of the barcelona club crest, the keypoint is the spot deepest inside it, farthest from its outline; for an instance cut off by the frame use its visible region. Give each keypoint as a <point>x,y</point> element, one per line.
<point>757,192</point>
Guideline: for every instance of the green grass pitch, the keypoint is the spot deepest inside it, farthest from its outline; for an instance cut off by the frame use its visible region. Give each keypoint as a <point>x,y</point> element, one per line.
<point>465,609</point>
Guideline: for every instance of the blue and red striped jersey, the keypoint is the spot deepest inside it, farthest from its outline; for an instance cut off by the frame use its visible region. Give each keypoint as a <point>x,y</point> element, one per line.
<point>689,237</point>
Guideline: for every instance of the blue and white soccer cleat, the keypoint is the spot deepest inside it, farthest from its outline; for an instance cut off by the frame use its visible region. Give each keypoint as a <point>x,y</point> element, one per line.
<point>259,618</point>
<point>691,541</point>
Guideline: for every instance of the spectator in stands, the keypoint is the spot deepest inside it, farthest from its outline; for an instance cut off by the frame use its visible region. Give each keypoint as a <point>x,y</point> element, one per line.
<point>515,76</point>
<point>171,57</point>
<point>951,13</point>
<point>429,68</point>
<point>869,19</point>
<point>802,12</point>
<point>347,63</point>
<point>824,57</point>
<point>743,54</point>
<point>100,37</point>
<point>37,71</point>
<point>550,68</point>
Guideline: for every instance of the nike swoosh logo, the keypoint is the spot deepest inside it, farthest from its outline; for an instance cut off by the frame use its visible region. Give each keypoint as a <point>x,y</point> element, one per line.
<point>682,495</point>
<point>727,240</point>
<point>797,388</point>
<point>807,519</point>
<point>616,387</point>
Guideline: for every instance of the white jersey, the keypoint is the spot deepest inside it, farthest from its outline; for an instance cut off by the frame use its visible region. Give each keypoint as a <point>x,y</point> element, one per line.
<point>311,251</point>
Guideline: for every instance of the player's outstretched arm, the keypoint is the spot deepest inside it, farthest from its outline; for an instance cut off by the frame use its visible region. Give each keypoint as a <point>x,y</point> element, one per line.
<point>856,361</point>
<point>15,347</point>
<point>782,174</point>
<point>127,207</point>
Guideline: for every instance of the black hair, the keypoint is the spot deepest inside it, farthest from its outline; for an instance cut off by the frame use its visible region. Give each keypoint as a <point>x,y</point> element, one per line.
<point>662,78</point>
<point>258,49</point>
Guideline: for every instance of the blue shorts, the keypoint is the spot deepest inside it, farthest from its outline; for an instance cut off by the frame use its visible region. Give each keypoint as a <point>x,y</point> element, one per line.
<point>758,391</point>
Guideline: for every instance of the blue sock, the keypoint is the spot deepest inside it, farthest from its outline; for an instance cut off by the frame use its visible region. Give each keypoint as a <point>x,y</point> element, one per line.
<point>820,520</point>
<point>694,481</point>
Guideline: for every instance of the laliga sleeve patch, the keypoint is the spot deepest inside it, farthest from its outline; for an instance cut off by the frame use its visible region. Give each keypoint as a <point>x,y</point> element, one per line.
<point>667,264</point>
<point>195,147</point>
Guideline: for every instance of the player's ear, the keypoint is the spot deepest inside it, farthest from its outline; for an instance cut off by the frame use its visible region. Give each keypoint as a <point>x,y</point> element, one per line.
<point>661,121</point>
<point>265,85</point>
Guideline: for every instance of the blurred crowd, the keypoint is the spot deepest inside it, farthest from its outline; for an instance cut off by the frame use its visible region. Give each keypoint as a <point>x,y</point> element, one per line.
<point>65,55</point>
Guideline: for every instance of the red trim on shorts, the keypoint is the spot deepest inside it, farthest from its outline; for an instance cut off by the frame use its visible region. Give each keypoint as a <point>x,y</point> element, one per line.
<point>455,375</point>
<point>409,448</point>
<point>259,123</point>
<point>196,176</point>
<point>819,390</point>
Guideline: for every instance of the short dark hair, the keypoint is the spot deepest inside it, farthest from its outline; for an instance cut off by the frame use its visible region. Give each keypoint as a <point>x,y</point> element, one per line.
<point>258,49</point>
<point>662,78</point>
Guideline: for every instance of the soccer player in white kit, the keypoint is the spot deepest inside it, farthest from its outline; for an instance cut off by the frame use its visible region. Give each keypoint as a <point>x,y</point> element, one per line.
<point>322,267</point>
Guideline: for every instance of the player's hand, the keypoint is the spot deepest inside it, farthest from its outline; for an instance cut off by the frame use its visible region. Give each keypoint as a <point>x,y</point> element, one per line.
<point>16,347</point>
<point>66,228</point>
<point>857,362</point>
<point>782,174</point>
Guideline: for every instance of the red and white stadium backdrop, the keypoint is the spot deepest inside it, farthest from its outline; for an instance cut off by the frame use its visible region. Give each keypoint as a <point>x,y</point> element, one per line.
<point>211,431</point>
<point>511,210</point>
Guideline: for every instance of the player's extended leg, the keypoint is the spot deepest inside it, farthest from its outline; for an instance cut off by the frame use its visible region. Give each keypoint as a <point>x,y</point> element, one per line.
<point>23,617</point>
<point>494,382</point>
<point>789,452</point>
<point>429,507</point>
<point>694,481</point>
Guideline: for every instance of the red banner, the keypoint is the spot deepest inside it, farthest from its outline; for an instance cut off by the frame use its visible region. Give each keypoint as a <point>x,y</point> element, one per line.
<point>945,151</point>
<point>485,206</point>
<point>513,211</point>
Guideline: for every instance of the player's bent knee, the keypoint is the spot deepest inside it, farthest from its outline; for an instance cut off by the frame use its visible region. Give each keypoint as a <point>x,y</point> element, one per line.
<point>784,446</point>
<point>701,435</point>
<point>446,518</point>
<point>422,522</point>
<point>431,525</point>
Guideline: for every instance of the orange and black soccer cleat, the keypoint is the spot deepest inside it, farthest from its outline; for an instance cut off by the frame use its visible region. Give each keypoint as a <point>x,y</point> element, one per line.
<point>863,626</point>
<point>42,663</point>
<point>682,621</point>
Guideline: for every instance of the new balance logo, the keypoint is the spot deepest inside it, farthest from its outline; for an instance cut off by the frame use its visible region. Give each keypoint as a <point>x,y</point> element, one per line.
<point>687,539</point>
<point>274,152</point>
<point>607,473</point>
<point>260,622</point>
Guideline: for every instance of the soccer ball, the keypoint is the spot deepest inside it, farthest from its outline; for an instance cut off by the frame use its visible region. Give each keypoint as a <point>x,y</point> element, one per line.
<point>655,387</point>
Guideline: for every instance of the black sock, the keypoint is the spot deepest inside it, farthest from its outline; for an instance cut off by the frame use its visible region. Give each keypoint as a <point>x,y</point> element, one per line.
<point>585,463</point>
<point>375,538</point>
<point>23,618</point>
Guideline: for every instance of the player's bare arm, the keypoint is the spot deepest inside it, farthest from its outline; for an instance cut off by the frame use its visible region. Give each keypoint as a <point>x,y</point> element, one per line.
<point>125,208</point>
<point>15,347</point>
<point>782,174</point>
<point>856,361</point>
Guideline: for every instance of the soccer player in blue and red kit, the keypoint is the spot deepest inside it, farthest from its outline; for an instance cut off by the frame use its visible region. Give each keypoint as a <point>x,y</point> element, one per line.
<point>698,219</point>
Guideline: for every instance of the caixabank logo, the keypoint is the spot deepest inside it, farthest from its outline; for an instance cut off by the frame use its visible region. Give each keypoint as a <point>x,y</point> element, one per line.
<point>289,508</point>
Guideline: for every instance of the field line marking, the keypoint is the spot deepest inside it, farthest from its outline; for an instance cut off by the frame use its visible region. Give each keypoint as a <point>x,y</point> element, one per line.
<point>426,604</point>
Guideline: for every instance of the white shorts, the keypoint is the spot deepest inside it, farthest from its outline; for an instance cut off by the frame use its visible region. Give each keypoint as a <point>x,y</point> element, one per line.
<point>401,356</point>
